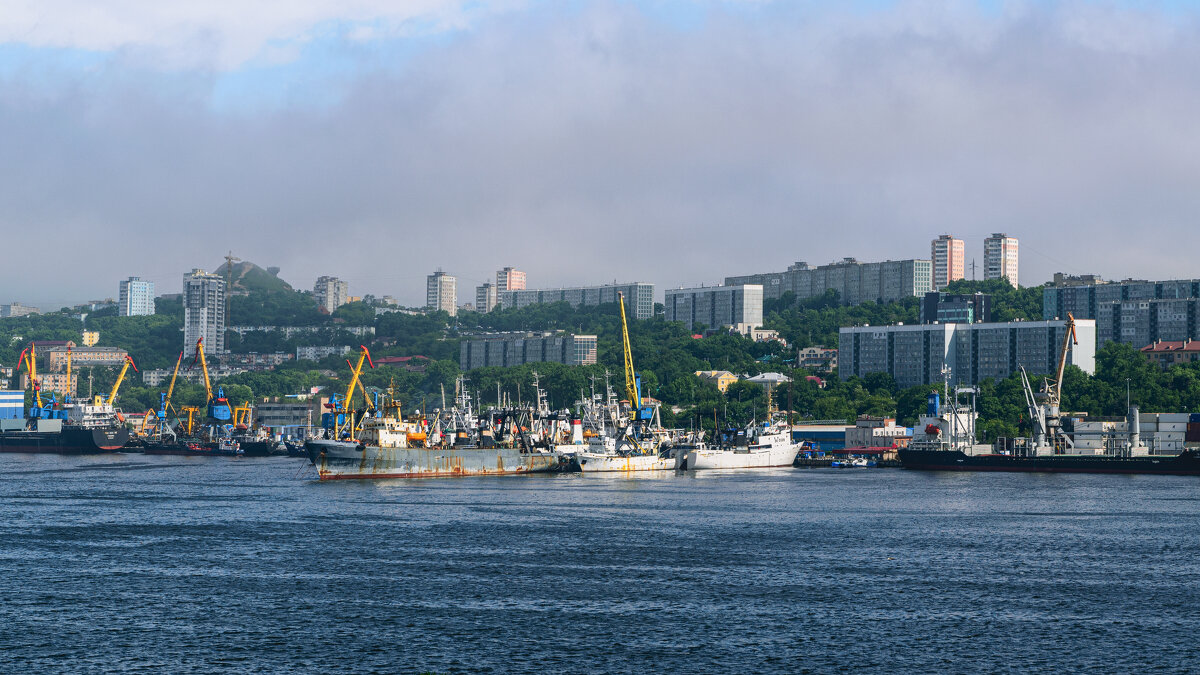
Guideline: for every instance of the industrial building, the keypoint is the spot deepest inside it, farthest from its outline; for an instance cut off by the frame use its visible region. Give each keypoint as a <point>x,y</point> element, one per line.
<point>56,357</point>
<point>204,311</point>
<point>740,307</point>
<point>854,282</point>
<point>974,352</point>
<point>947,255</point>
<point>331,293</point>
<point>441,293</point>
<point>639,297</point>
<point>514,349</point>
<point>1135,312</point>
<point>135,297</point>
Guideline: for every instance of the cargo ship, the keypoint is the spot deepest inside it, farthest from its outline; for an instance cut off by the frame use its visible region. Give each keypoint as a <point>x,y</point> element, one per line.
<point>946,442</point>
<point>52,436</point>
<point>72,429</point>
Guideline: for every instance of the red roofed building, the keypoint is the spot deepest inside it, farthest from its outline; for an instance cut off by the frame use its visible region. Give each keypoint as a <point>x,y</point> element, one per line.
<point>1170,352</point>
<point>414,363</point>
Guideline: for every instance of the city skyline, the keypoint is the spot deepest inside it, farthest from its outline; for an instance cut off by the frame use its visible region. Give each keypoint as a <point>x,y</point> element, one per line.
<point>675,143</point>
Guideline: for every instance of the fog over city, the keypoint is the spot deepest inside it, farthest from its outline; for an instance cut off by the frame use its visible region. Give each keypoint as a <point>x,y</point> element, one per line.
<point>585,142</point>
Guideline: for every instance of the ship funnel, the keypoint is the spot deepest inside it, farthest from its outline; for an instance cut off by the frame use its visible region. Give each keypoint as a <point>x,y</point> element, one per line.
<point>1133,421</point>
<point>576,432</point>
<point>933,404</point>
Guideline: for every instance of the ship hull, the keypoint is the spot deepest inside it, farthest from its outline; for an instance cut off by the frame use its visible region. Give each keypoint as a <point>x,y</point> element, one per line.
<point>338,460</point>
<point>752,458</point>
<point>591,462</point>
<point>1185,464</point>
<point>69,441</point>
<point>189,450</point>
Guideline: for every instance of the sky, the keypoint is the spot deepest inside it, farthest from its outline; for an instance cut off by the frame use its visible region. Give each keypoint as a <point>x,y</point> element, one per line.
<point>588,141</point>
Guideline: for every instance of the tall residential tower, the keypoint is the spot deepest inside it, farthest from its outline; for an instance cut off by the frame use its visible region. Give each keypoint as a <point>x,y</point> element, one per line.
<point>947,254</point>
<point>136,297</point>
<point>204,311</point>
<point>1000,257</point>
<point>441,293</point>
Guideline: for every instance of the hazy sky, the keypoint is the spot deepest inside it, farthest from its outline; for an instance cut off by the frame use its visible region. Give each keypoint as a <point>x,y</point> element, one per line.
<point>587,141</point>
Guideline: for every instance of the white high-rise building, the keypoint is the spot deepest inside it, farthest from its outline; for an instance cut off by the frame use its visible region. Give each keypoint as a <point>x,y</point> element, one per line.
<point>330,293</point>
<point>1000,257</point>
<point>204,311</point>
<point>441,293</point>
<point>486,298</point>
<point>136,297</point>
<point>948,255</point>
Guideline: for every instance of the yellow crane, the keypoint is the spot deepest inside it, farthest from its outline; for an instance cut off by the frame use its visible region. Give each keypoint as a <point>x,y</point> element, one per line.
<point>69,387</point>
<point>32,368</point>
<point>112,396</point>
<point>166,403</point>
<point>633,386</point>
<point>355,373</point>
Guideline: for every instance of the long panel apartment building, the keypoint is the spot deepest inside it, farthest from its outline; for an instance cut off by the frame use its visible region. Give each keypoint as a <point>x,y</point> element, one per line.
<point>1134,312</point>
<point>974,352</point>
<point>503,350</point>
<point>639,297</point>
<point>740,307</point>
<point>854,282</point>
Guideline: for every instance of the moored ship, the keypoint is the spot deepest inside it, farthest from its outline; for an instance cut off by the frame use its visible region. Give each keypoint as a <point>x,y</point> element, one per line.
<point>455,443</point>
<point>758,446</point>
<point>946,438</point>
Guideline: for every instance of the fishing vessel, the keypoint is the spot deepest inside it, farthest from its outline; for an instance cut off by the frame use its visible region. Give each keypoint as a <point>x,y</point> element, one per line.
<point>758,445</point>
<point>365,444</point>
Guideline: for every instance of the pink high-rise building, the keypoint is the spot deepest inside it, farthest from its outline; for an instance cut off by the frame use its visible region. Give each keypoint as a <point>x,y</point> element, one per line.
<point>947,254</point>
<point>509,279</point>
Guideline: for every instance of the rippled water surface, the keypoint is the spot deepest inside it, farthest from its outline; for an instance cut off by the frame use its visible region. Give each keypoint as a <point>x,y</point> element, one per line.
<point>133,563</point>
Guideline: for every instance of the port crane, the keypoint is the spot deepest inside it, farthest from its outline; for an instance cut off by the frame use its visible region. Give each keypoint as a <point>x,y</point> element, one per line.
<point>1044,406</point>
<point>341,418</point>
<point>640,413</point>
<point>164,405</point>
<point>112,396</point>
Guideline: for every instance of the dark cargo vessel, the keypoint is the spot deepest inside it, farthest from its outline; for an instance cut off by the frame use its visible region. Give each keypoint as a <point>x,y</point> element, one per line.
<point>65,440</point>
<point>1186,463</point>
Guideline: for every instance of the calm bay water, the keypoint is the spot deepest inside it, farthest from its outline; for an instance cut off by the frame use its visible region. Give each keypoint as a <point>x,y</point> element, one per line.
<point>134,563</point>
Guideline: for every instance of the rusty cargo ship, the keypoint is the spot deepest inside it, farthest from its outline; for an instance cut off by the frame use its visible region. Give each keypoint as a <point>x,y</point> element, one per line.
<point>454,443</point>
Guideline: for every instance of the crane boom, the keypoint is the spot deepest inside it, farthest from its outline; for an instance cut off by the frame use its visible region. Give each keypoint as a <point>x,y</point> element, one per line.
<point>630,385</point>
<point>33,381</point>
<point>120,378</point>
<point>1068,339</point>
<point>356,371</point>
<point>204,368</point>
<point>166,405</point>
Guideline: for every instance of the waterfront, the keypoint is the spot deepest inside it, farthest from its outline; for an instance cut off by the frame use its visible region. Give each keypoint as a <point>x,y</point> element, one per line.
<point>127,562</point>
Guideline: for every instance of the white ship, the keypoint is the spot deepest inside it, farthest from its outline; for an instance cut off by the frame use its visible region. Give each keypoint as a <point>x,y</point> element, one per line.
<point>763,445</point>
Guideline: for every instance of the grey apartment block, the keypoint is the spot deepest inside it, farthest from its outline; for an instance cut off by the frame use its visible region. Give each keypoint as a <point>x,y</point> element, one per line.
<point>854,282</point>
<point>502,350</point>
<point>639,297</point>
<point>1135,312</point>
<point>715,306</point>
<point>916,354</point>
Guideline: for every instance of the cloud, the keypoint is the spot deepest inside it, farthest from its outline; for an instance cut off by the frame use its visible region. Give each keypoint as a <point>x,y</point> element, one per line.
<point>594,141</point>
<point>226,34</point>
